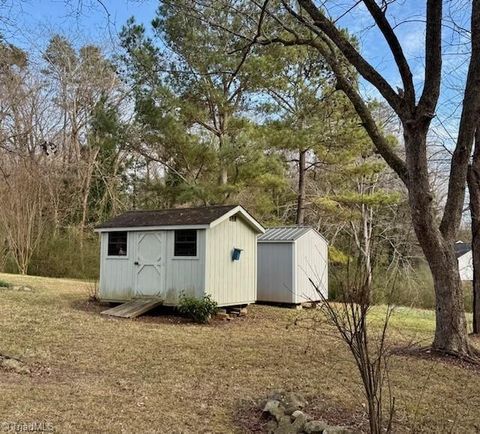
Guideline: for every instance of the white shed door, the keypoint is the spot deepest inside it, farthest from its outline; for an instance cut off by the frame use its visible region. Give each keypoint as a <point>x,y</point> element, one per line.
<point>150,264</point>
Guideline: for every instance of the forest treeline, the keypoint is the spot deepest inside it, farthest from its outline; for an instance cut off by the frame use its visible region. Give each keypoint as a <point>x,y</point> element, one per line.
<point>183,115</point>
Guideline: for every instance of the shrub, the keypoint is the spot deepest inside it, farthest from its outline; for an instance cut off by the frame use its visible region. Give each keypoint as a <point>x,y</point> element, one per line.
<point>60,256</point>
<point>4,284</point>
<point>92,291</point>
<point>199,309</point>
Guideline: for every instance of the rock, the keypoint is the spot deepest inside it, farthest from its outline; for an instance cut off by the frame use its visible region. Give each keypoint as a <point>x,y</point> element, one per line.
<point>271,426</point>
<point>293,401</point>
<point>297,413</point>
<point>243,311</point>
<point>285,426</point>
<point>300,420</point>
<point>222,316</point>
<point>315,427</point>
<point>274,408</point>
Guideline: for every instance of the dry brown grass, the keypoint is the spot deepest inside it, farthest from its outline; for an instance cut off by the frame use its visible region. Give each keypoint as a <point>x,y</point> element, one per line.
<point>157,374</point>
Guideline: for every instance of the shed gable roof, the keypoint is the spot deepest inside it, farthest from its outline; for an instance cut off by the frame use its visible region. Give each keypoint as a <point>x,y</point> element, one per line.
<point>285,233</point>
<point>201,216</point>
<point>461,248</point>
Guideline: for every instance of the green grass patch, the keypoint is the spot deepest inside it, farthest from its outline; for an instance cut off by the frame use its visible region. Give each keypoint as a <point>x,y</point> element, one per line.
<point>4,284</point>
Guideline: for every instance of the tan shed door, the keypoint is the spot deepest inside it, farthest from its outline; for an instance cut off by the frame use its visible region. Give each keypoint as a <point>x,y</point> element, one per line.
<point>150,264</point>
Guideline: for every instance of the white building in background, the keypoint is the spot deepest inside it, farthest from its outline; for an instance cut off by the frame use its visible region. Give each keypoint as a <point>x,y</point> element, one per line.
<point>464,258</point>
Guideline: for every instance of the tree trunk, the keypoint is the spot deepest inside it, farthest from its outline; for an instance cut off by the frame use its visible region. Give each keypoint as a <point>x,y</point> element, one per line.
<point>367,212</point>
<point>473,179</point>
<point>300,220</point>
<point>451,325</point>
<point>224,176</point>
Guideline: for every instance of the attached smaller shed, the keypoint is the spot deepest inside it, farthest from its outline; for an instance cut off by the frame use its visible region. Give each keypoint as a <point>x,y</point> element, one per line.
<point>288,257</point>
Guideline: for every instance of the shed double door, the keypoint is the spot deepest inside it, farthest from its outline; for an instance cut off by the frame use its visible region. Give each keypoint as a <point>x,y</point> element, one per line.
<point>149,264</point>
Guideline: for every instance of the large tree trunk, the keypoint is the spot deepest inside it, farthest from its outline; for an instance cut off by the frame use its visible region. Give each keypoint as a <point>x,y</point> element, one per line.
<point>451,326</point>
<point>474,190</point>
<point>302,157</point>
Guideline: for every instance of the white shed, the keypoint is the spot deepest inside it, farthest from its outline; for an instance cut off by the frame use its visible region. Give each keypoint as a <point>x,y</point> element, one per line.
<point>288,257</point>
<point>463,252</point>
<point>198,251</point>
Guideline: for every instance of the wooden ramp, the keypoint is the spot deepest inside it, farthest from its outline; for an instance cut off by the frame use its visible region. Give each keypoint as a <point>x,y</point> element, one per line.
<point>134,308</point>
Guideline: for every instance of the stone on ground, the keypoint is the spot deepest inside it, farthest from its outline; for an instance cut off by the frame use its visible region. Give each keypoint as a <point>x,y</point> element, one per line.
<point>293,401</point>
<point>274,408</point>
<point>315,427</point>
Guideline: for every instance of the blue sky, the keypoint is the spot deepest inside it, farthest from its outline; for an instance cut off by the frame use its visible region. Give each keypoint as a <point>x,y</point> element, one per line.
<point>84,21</point>
<point>37,20</point>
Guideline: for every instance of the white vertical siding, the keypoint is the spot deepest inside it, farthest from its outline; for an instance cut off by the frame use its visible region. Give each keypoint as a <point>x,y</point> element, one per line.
<point>312,263</point>
<point>185,274</point>
<point>465,266</point>
<point>116,273</point>
<point>231,282</point>
<point>276,269</point>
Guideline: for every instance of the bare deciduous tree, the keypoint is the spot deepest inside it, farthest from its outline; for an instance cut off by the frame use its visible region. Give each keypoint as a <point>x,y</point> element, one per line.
<point>415,111</point>
<point>21,216</point>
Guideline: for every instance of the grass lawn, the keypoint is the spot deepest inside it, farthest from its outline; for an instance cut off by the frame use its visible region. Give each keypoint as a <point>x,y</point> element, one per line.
<point>92,373</point>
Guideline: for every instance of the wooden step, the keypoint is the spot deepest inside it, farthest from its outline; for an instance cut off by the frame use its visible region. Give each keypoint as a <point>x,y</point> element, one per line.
<point>133,308</point>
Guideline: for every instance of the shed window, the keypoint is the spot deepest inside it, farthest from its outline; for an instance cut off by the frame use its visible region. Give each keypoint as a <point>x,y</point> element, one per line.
<point>185,243</point>
<point>117,244</point>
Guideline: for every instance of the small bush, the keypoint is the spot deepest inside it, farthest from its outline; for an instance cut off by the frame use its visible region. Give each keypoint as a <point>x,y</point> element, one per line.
<point>92,291</point>
<point>199,309</point>
<point>4,284</point>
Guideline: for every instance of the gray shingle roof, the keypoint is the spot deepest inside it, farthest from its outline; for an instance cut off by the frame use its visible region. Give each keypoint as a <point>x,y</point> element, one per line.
<point>462,248</point>
<point>286,233</point>
<point>167,217</point>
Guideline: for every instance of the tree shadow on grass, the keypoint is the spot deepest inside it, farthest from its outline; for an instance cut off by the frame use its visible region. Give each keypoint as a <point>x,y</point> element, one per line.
<point>427,353</point>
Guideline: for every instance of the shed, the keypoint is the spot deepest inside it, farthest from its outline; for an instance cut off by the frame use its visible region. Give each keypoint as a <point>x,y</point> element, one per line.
<point>288,257</point>
<point>160,254</point>
<point>463,252</point>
